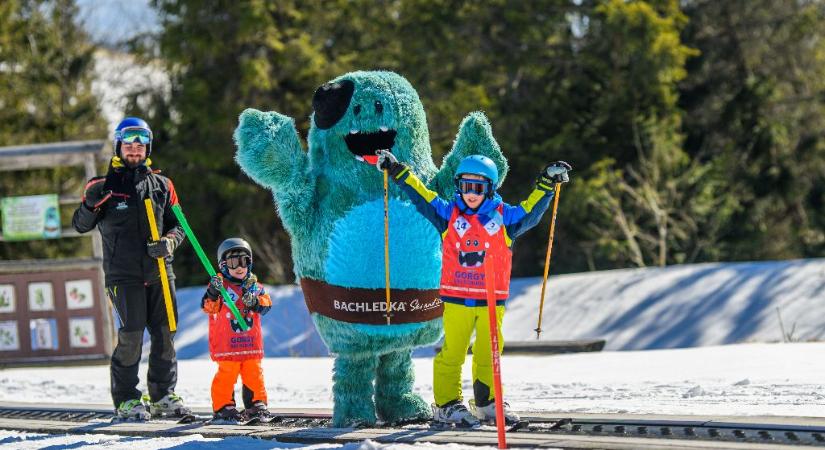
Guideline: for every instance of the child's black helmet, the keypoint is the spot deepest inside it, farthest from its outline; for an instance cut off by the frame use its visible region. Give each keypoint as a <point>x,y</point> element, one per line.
<point>233,244</point>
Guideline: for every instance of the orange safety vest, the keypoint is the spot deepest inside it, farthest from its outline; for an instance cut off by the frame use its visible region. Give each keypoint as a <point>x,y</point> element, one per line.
<point>466,245</point>
<point>227,341</point>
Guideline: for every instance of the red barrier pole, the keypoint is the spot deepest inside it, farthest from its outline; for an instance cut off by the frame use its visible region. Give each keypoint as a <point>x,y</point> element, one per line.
<point>489,282</point>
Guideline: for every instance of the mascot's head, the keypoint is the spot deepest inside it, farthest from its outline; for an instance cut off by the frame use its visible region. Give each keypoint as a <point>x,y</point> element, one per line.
<point>359,113</point>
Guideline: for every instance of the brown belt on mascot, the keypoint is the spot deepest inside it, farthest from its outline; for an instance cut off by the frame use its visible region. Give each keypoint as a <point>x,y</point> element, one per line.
<point>357,305</point>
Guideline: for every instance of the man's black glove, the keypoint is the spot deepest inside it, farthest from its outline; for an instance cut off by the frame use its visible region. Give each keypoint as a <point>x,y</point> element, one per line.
<point>555,173</point>
<point>213,291</point>
<point>387,161</point>
<point>160,248</point>
<point>94,196</point>
<point>250,290</point>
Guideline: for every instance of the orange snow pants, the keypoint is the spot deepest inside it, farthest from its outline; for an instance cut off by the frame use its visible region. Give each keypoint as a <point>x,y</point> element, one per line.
<point>252,378</point>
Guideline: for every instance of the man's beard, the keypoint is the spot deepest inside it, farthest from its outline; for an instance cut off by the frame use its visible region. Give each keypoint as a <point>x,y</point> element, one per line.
<point>133,162</point>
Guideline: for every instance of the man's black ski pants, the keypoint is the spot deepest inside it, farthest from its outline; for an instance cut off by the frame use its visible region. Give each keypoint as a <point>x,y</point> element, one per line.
<point>140,307</point>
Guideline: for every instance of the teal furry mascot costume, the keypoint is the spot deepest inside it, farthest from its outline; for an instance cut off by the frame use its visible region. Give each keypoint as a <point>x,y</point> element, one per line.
<point>331,202</point>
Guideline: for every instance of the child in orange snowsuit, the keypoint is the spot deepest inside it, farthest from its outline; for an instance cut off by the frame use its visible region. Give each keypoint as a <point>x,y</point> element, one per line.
<point>236,351</point>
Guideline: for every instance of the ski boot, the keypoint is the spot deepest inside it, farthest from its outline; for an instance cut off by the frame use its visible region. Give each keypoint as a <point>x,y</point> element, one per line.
<point>455,414</point>
<point>487,413</point>
<point>257,411</point>
<point>228,415</point>
<point>171,405</point>
<point>131,411</point>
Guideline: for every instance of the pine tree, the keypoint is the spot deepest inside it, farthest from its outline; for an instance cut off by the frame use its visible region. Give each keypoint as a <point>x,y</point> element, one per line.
<point>46,71</point>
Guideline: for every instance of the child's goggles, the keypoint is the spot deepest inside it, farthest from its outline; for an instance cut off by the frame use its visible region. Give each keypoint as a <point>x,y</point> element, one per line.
<point>132,135</point>
<point>233,262</point>
<point>479,187</point>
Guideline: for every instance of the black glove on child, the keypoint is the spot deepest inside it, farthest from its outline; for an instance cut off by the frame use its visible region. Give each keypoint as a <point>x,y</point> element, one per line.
<point>554,173</point>
<point>160,248</point>
<point>387,161</point>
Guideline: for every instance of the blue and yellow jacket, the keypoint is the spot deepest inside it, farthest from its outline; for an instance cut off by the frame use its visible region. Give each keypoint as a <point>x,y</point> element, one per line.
<point>517,219</point>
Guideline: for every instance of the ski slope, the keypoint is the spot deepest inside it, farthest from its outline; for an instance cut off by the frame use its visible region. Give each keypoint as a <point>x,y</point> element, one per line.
<point>633,309</point>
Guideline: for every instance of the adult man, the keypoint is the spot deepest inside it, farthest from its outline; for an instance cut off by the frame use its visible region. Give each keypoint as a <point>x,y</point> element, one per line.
<point>115,204</point>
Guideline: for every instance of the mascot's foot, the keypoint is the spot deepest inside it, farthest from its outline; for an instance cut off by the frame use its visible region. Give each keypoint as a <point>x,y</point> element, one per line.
<point>409,408</point>
<point>353,390</point>
<point>352,422</point>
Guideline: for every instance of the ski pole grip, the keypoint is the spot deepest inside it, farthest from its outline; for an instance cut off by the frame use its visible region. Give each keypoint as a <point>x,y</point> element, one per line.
<point>207,265</point>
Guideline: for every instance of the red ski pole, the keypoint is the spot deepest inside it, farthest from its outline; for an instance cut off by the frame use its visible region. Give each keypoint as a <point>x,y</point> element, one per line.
<point>489,283</point>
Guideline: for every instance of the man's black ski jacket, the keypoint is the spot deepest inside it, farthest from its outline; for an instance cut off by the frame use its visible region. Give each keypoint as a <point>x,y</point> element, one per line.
<point>124,225</point>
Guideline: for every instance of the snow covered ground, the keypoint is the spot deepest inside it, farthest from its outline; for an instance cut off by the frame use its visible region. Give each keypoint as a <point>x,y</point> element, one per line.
<point>25,441</point>
<point>744,379</point>
<point>664,330</point>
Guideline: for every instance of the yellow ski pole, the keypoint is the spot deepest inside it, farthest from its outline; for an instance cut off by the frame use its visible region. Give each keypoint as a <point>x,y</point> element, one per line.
<point>387,244</point>
<point>164,281</point>
<point>547,258</point>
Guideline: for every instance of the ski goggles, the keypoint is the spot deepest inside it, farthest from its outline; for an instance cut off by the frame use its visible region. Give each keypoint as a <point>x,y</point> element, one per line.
<point>135,135</point>
<point>233,262</point>
<point>478,187</point>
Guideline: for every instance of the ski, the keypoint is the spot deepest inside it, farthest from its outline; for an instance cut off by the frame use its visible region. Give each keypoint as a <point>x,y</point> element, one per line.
<point>117,419</point>
<point>515,426</point>
<point>251,421</point>
<point>438,425</point>
<point>403,423</point>
<point>186,418</point>
<point>191,418</point>
<point>520,425</point>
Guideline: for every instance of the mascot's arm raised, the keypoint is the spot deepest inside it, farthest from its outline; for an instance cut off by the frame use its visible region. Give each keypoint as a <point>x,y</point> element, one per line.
<point>270,152</point>
<point>475,137</point>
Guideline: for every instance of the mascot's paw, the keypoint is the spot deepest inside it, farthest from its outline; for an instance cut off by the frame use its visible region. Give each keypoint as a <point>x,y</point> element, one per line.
<point>252,123</point>
<point>408,408</point>
<point>270,152</point>
<point>344,417</point>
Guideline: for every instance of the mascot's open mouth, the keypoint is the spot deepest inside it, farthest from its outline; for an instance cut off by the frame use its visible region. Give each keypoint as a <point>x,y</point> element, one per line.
<point>364,145</point>
<point>471,259</point>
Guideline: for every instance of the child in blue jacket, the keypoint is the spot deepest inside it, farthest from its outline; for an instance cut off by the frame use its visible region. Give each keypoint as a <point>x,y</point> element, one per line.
<point>474,225</point>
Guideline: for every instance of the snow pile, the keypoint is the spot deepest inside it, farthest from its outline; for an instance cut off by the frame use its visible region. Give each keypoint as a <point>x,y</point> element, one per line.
<point>677,306</point>
<point>633,309</point>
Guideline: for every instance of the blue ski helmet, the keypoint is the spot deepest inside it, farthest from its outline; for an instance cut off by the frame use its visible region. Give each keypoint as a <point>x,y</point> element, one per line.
<point>478,165</point>
<point>133,129</point>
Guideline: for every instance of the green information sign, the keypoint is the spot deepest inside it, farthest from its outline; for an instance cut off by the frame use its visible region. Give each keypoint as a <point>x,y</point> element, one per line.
<point>30,217</point>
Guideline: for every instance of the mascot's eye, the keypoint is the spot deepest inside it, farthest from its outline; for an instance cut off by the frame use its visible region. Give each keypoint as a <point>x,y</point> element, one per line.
<point>475,243</point>
<point>468,242</point>
<point>331,102</point>
<point>379,108</point>
<point>356,110</point>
